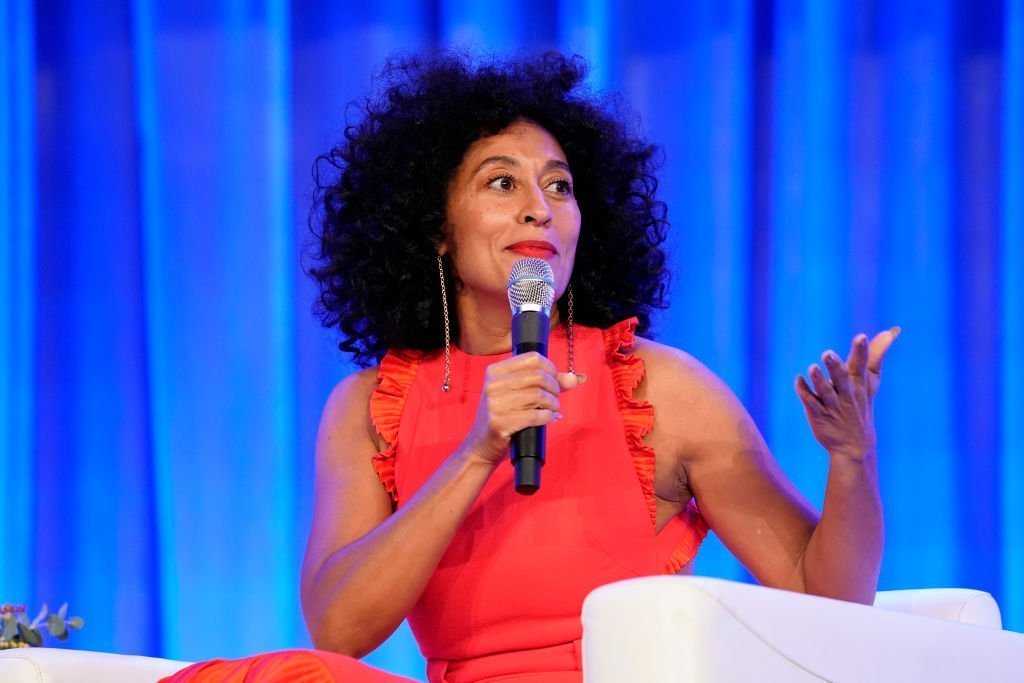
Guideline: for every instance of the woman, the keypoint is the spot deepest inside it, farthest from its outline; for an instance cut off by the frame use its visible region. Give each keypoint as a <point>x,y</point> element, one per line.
<point>453,175</point>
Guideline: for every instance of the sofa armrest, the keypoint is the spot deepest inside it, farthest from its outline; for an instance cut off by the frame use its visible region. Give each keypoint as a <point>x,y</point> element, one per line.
<point>54,665</point>
<point>955,604</point>
<point>675,628</point>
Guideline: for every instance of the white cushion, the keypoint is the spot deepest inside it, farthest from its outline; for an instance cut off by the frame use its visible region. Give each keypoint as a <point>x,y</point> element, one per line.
<point>54,665</point>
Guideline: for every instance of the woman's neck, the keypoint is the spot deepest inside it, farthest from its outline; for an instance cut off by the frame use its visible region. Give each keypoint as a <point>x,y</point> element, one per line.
<point>485,328</point>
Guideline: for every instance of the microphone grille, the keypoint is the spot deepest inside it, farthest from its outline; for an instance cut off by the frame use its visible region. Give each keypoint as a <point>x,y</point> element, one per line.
<point>531,283</point>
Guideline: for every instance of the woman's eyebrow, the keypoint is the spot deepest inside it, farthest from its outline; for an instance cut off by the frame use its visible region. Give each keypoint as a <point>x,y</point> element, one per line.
<point>512,161</point>
<point>558,163</point>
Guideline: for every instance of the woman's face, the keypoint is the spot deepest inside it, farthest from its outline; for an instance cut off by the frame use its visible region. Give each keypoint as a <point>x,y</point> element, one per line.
<point>511,197</point>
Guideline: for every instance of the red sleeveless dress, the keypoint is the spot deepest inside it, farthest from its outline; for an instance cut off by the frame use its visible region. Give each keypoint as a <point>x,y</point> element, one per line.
<point>504,602</point>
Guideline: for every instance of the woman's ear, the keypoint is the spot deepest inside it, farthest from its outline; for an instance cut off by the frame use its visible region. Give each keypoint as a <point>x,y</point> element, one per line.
<point>442,247</point>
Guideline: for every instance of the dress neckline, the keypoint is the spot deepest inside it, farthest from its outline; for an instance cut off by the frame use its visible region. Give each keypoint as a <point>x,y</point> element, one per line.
<point>556,341</point>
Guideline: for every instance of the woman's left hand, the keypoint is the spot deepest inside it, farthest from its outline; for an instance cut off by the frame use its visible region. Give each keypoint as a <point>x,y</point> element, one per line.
<point>839,406</point>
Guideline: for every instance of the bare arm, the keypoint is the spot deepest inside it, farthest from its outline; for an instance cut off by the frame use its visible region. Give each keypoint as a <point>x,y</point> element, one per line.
<point>365,566</point>
<point>844,555</point>
<point>749,502</point>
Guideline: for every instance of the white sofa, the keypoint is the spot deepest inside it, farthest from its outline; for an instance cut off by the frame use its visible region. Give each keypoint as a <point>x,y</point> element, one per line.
<point>53,665</point>
<point>680,629</point>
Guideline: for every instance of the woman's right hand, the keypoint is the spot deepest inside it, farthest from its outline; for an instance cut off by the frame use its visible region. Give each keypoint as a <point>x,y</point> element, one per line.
<point>518,392</point>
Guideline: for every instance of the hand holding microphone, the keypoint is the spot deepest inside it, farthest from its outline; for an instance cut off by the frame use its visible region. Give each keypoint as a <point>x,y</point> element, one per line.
<point>531,292</point>
<point>521,394</point>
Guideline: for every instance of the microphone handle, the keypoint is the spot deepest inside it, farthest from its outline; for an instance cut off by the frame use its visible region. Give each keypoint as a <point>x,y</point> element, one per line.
<point>528,458</point>
<point>530,330</point>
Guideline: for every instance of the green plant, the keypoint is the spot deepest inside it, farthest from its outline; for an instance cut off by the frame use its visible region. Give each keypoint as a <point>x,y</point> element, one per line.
<point>18,631</point>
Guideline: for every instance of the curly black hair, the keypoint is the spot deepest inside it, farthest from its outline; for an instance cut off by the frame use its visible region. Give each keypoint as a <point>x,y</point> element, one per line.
<point>379,211</point>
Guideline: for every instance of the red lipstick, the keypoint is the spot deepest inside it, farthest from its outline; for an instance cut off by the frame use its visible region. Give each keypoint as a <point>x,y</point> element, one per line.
<point>533,248</point>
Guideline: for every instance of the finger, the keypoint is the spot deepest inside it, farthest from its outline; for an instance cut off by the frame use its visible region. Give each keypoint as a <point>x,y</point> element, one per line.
<point>807,396</point>
<point>527,379</point>
<point>530,398</point>
<point>570,380</point>
<point>523,361</point>
<point>822,387</point>
<point>857,360</point>
<point>527,418</point>
<point>539,418</point>
<point>879,346</point>
<point>838,372</point>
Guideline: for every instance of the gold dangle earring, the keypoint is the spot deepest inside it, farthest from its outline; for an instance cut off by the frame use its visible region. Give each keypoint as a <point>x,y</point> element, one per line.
<point>569,329</point>
<point>447,329</point>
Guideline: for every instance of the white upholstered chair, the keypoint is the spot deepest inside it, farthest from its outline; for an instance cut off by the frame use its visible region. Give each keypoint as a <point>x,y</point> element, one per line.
<point>681,629</point>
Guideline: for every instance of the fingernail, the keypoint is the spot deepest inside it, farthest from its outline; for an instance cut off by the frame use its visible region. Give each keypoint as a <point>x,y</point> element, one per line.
<point>862,340</point>
<point>580,378</point>
<point>831,355</point>
<point>558,416</point>
<point>896,331</point>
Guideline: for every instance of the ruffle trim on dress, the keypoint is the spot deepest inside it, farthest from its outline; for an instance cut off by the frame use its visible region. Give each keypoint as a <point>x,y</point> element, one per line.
<point>686,548</point>
<point>637,416</point>
<point>638,419</point>
<point>394,378</point>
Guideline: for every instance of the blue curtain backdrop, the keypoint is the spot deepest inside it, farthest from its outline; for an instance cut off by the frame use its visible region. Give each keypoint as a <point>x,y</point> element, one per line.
<point>830,168</point>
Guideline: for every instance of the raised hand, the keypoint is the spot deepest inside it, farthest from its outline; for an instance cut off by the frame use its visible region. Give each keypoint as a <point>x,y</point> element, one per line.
<point>518,392</point>
<point>839,406</point>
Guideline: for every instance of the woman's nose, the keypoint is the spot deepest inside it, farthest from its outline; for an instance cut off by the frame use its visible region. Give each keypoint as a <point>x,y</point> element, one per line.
<point>535,208</point>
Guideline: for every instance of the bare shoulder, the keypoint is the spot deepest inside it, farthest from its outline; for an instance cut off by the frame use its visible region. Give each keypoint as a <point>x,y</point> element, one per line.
<point>359,384</point>
<point>672,364</point>
<point>675,374</point>
<point>693,407</point>
<point>347,410</point>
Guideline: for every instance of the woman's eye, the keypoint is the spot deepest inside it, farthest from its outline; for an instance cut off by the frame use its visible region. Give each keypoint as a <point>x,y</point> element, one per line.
<point>561,187</point>
<point>505,183</point>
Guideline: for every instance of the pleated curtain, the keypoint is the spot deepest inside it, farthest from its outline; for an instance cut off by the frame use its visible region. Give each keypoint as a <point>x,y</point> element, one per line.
<point>830,168</point>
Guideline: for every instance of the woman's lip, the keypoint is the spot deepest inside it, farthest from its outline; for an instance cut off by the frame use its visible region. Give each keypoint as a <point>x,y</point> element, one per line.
<point>533,248</point>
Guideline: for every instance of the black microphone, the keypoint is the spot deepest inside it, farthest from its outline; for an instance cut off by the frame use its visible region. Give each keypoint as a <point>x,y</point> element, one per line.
<point>531,292</point>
